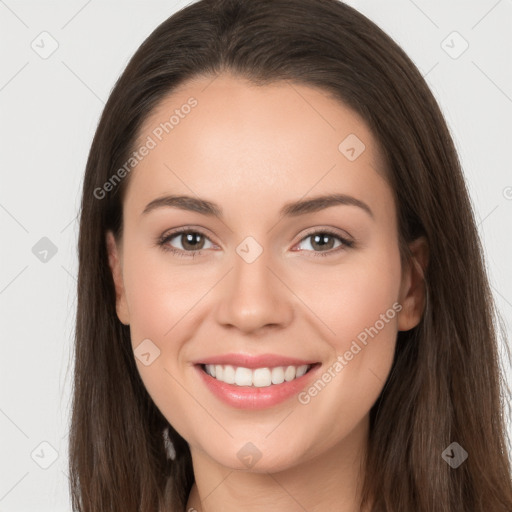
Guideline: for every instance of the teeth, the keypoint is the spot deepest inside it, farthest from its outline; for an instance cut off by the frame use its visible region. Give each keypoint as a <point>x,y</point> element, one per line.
<point>277,375</point>
<point>260,377</point>
<point>228,374</point>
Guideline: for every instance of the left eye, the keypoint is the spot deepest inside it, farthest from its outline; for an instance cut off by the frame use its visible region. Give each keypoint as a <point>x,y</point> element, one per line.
<point>325,240</point>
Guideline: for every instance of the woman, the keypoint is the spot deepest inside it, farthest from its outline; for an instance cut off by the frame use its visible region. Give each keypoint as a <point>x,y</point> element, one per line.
<point>282,302</point>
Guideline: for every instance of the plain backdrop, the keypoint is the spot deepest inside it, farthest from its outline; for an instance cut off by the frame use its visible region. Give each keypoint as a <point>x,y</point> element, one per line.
<point>50,106</point>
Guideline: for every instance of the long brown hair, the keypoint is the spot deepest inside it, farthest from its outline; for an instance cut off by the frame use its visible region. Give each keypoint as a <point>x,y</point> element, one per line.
<point>445,383</point>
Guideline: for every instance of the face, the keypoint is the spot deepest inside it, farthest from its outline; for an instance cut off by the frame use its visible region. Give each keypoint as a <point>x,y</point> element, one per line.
<point>264,275</point>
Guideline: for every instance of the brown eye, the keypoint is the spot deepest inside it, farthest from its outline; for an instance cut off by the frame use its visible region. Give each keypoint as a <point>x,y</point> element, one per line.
<point>185,241</point>
<point>191,241</point>
<point>325,242</point>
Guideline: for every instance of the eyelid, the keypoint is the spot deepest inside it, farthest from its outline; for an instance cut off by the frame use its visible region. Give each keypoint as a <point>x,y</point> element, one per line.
<point>185,229</point>
<point>329,230</point>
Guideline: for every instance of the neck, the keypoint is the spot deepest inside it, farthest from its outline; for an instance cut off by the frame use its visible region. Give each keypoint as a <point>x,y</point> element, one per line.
<point>330,481</point>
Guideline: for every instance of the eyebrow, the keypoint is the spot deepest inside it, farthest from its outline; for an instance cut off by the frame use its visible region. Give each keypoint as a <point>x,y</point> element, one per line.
<point>291,209</point>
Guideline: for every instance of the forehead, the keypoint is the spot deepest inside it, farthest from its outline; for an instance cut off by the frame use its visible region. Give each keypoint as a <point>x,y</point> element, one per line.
<point>228,139</point>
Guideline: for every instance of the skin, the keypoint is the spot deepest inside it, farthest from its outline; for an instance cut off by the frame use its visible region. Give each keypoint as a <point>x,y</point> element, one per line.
<point>250,150</point>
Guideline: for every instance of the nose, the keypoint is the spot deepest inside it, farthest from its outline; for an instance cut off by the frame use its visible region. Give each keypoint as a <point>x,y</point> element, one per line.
<point>253,296</point>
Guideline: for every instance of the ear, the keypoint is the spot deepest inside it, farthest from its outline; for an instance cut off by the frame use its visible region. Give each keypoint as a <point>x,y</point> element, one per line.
<point>115,264</point>
<point>412,288</point>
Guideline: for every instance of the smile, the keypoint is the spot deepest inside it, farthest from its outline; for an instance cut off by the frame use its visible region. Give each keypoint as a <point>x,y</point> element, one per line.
<point>258,377</point>
<point>255,388</point>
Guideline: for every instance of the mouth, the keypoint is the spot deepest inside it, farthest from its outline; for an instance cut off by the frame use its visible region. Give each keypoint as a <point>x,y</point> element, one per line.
<point>256,388</point>
<point>256,377</point>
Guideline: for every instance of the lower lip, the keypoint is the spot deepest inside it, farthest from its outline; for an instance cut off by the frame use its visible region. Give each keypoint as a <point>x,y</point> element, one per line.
<point>250,397</point>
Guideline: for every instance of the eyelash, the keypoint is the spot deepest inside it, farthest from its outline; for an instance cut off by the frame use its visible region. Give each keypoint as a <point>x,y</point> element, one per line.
<point>164,239</point>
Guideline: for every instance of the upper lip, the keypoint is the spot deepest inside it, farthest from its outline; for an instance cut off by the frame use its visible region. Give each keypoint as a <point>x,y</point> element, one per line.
<point>251,361</point>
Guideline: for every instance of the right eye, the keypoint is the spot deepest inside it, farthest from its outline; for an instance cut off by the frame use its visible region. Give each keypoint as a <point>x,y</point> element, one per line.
<point>190,242</point>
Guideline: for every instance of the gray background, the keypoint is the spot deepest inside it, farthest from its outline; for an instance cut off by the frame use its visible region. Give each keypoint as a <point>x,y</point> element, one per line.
<point>49,111</point>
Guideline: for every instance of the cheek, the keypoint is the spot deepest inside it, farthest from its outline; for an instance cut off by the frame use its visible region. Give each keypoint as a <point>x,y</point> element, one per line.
<point>158,301</point>
<point>368,316</point>
<point>159,293</point>
<point>361,310</point>
<point>162,299</point>
<point>352,296</point>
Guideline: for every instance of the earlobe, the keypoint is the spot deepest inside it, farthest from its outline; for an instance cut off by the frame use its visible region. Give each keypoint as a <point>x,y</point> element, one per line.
<point>115,264</point>
<point>413,288</point>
